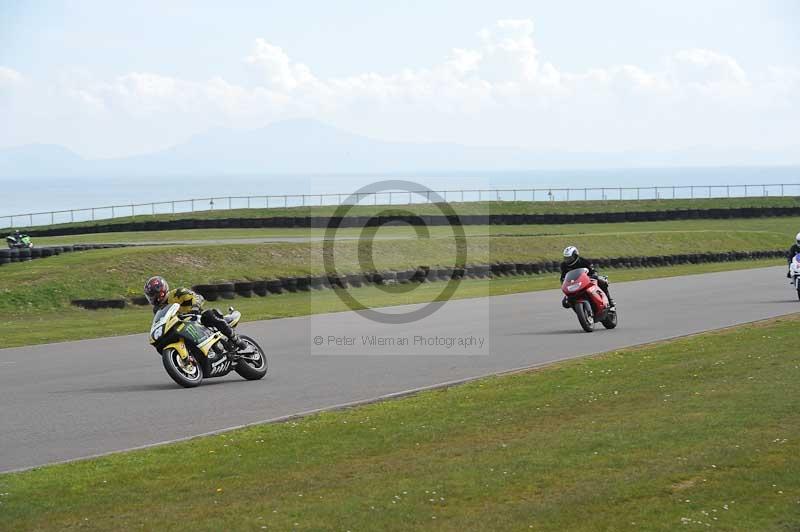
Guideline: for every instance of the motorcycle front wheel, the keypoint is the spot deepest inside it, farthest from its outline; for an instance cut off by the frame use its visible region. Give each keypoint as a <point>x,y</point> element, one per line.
<point>186,372</point>
<point>611,320</point>
<point>584,318</point>
<point>252,366</point>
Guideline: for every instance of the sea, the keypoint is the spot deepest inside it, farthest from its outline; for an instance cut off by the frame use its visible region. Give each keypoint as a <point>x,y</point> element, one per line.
<point>21,197</point>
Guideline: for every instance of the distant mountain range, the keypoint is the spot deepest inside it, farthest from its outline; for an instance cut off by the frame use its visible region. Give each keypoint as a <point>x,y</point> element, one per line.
<point>308,146</point>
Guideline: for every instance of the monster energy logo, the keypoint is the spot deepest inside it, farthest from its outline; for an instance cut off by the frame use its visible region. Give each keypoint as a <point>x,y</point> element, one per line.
<point>194,333</point>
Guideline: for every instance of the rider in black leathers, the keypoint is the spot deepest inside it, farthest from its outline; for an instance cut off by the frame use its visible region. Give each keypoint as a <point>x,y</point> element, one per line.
<point>794,250</point>
<point>573,261</point>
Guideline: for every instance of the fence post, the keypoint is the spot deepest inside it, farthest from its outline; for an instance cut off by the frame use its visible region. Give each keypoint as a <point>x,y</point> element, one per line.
<point>113,213</point>
<point>781,189</point>
<point>31,219</point>
<point>229,203</point>
<point>52,218</point>
<point>192,205</point>
<point>173,207</point>
<point>92,213</point>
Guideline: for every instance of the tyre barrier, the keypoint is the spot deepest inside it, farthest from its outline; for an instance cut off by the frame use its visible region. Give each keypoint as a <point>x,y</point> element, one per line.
<point>230,290</point>
<point>226,290</point>
<point>260,288</point>
<point>208,291</point>
<point>243,288</point>
<point>139,300</point>
<point>27,254</point>
<point>289,283</point>
<point>95,304</point>
<point>304,283</point>
<point>275,286</point>
<point>464,219</point>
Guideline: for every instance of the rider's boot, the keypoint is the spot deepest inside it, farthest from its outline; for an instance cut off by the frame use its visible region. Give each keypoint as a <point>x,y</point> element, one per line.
<point>237,342</point>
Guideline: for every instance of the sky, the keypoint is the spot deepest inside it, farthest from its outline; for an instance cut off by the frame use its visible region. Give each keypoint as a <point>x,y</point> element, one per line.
<point>110,79</point>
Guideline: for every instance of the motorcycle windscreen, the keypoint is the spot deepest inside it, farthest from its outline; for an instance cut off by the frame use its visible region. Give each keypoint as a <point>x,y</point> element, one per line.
<point>574,275</point>
<point>159,315</point>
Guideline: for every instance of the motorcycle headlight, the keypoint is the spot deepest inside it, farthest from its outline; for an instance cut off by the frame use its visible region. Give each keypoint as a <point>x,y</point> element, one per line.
<point>158,332</point>
<point>573,287</point>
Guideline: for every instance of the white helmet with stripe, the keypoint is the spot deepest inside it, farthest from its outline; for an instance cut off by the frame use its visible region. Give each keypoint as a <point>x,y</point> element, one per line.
<point>570,254</point>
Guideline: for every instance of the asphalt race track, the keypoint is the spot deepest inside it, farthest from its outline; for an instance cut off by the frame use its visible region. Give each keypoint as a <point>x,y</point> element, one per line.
<point>78,399</point>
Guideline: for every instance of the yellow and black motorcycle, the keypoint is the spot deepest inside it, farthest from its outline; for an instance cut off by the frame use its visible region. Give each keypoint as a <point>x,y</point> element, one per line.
<point>191,352</point>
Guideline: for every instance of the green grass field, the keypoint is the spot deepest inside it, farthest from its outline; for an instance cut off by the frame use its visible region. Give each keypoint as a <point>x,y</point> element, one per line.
<point>786,227</point>
<point>701,432</point>
<point>35,296</point>
<point>50,283</point>
<point>28,325</point>
<point>483,207</point>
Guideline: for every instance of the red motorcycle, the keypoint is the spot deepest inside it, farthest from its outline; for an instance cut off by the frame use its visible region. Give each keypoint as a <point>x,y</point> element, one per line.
<point>587,299</point>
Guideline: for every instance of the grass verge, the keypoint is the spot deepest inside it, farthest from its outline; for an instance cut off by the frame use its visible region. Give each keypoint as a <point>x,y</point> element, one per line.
<point>701,432</point>
<point>474,207</point>
<point>47,326</point>
<point>784,227</point>
<point>49,284</point>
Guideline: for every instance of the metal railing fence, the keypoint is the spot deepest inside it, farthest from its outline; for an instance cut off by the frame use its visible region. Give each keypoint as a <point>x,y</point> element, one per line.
<point>230,203</point>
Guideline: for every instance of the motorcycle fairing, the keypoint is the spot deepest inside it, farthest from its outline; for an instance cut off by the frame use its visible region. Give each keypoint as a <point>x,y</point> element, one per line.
<point>201,337</point>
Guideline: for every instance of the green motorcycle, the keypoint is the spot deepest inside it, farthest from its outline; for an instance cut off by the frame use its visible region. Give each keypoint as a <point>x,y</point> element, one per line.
<point>19,241</point>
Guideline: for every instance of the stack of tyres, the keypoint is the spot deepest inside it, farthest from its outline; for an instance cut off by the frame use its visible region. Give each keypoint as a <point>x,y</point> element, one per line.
<point>208,291</point>
<point>5,256</point>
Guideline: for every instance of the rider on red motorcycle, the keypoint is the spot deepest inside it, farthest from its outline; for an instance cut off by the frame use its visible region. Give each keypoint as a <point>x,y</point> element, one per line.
<point>573,261</point>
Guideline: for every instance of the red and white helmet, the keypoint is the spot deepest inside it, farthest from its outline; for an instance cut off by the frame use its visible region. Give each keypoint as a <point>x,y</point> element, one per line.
<point>155,290</point>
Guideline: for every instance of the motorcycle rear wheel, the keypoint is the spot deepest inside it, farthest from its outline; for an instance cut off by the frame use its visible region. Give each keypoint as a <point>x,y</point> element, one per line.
<point>586,321</point>
<point>252,370</point>
<point>187,373</point>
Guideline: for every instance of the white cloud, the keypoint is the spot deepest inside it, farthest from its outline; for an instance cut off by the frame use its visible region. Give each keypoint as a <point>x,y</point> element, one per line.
<point>278,70</point>
<point>499,91</point>
<point>9,77</point>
